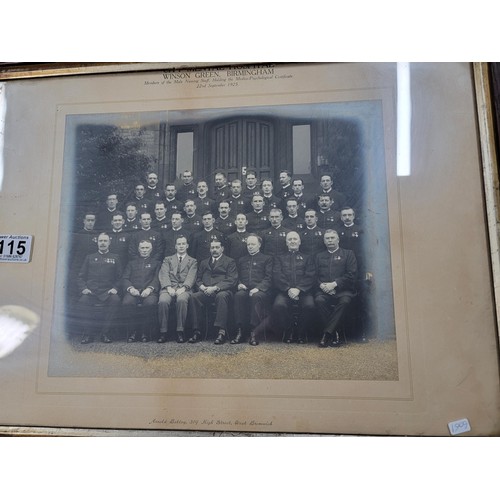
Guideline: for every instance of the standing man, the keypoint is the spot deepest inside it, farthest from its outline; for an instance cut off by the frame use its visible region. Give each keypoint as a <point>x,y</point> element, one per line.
<point>99,282</point>
<point>327,217</point>
<point>177,279</point>
<point>140,200</point>
<point>216,280</point>
<point>294,274</point>
<point>270,200</point>
<point>237,203</point>
<point>161,222</point>
<point>187,190</point>
<point>336,277</point>
<point>192,221</point>
<point>286,190</point>
<point>337,198</point>
<point>153,193</point>
<point>104,216</point>
<point>224,223</point>
<point>119,238</point>
<point>146,233</point>
<point>201,240</point>
<point>141,288</point>
<point>302,200</point>
<point>251,186</point>
<point>236,242</point>
<point>251,301</point>
<point>258,217</point>
<point>131,222</point>
<point>172,203</point>
<point>176,230</point>
<point>221,189</point>
<point>274,238</point>
<point>312,236</point>
<point>293,221</point>
<point>202,201</point>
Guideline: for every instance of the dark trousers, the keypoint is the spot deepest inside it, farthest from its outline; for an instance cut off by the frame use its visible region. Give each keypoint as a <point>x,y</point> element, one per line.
<point>281,312</point>
<point>90,321</point>
<point>139,313</point>
<point>250,310</point>
<point>222,302</point>
<point>331,317</point>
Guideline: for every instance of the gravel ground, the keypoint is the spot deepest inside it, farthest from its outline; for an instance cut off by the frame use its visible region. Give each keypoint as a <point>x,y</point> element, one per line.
<point>376,360</point>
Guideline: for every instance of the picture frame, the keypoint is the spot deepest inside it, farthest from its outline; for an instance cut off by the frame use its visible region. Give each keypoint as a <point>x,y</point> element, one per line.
<point>436,379</point>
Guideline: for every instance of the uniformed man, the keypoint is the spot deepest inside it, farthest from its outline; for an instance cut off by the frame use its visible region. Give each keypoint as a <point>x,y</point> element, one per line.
<point>337,198</point>
<point>104,216</point>
<point>293,221</point>
<point>258,217</point>
<point>327,217</point>
<point>274,238</point>
<point>146,233</point>
<point>176,230</point>
<point>251,186</point>
<point>202,201</point>
<point>221,189</point>
<point>99,282</point>
<point>236,242</point>
<point>312,236</point>
<point>293,278</point>
<point>224,223</point>
<point>172,203</point>
<point>187,190</point>
<point>285,190</point>
<point>139,198</point>
<point>141,288</point>
<point>251,300</point>
<point>236,201</point>
<point>303,201</point>
<point>192,221</point>
<point>177,280</point>
<point>270,200</point>
<point>132,221</point>
<point>119,238</point>
<point>201,240</point>
<point>153,192</point>
<point>336,270</point>
<point>216,280</point>
<point>161,222</point>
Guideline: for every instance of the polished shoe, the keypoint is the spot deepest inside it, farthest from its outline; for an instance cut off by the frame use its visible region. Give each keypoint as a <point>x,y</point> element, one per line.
<point>253,339</point>
<point>195,338</point>
<point>106,339</point>
<point>239,337</point>
<point>87,339</point>
<point>336,342</point>
<point>221,337</point>
<point>325,339</point>
<point>132,338</point>
<point>180,338</point>
<point>144,338</point>
<point>162,338</point>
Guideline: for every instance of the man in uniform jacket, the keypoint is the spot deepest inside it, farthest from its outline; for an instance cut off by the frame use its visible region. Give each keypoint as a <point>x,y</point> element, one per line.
<point>153,192</point>
<point>141,288</point>
<point>237,202</point>
<point>258,218</point>
<point>327,217</point>
<point>216,280</point>
<point>187,190</point>
<point>105,215</point>
<point>177,279</point>
<point>146,233</point>
<point>172,203</point>
<point>293,277</point>
<point>312,236</point>
<point>119,238</point>
<point>236,242</point>
<point>192,221</point>
<point>274,238</point>
<point>221,189</point>
<point>200,240</point>
<point>286,190</point>
<point>292,221</point>
<point>336,271</point>
<point>99,282</point>
<point>224,223</point>
<point>176,230</point>
<point>252,298</point>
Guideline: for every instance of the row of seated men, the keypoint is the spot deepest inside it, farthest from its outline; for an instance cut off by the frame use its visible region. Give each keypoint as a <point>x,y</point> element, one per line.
<point>257,293</point>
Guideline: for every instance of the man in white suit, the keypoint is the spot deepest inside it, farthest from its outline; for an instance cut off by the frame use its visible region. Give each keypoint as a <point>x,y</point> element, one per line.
<point>177,278</point>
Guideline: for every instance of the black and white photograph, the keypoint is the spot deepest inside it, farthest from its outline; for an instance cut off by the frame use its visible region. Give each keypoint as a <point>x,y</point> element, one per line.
<point>246,242</point>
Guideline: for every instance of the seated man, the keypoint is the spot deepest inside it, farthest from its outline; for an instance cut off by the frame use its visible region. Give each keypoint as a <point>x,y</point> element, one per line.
<point>177,278</point>
<point>294,278</point>
<point>141,287</point>
<point>336,274</point>
<point>98,282</point>
<point>254,286</point>
<point>216,279</point>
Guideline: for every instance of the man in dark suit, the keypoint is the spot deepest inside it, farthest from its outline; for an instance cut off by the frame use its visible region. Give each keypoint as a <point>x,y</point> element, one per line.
<point>293,277</point>
<point>221,189</point>
<point>274,238</point>
<point>216,280</point>
<point>105,215</point>
<point>177,280</point>
<point>286,190</point>
<point>176,229</point>
<point>337,198</point>
<point>312,236</point>
<point>146,233</point>
<point>141,288</point>
<point>153,192</point>
<point>99,282</point>
<point>187,190</point>
<point>201,240</point>
<point>336,270</point>
<point>251,301</point>
<point>236,242</point>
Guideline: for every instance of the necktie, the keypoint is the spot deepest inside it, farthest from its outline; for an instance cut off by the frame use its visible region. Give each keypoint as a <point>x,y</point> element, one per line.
<point>178,274</point>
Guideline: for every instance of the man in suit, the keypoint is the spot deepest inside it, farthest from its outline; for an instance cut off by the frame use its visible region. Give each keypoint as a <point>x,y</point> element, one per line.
<point>336,270</point>
<point>176,229</point>
<point>251,301</point>
<point>140,289</point>
<point>201,240</point>
<point>216,280</point>
<point>177,279</point>
<point>293,277</point>
<point>99,282</point>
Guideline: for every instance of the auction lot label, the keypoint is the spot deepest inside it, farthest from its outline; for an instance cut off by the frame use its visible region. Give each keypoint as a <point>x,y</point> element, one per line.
<point>15,248</point>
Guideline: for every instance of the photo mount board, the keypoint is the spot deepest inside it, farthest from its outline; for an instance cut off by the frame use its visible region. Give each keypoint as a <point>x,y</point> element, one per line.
<point>447,357</point>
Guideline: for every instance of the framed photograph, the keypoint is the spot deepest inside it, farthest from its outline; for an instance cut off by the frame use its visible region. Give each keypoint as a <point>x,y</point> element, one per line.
<point>360,184</point>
